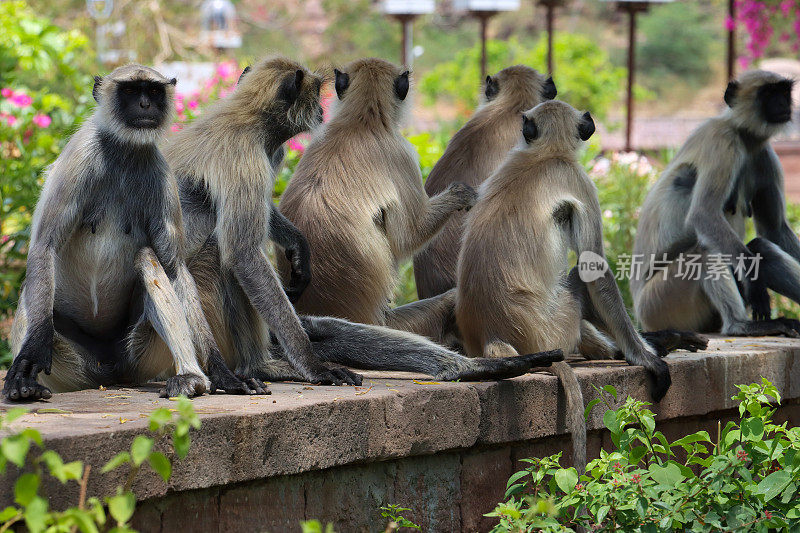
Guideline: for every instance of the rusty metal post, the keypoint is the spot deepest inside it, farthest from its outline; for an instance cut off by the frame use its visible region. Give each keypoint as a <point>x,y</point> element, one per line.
<point>406,45</point>
<point>483,16</point>
<point>632,8</point>
<point>550,16</point>
<point>732,41</point>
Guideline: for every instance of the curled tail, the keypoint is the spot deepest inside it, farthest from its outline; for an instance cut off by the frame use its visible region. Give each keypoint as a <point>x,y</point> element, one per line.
<point>576,424</point>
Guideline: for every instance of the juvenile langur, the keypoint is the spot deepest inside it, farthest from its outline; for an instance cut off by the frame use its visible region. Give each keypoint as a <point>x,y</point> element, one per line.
<point>724,173</point>
<point>473,153</point>
<point>515,293</point>
<point>106,271</point>
<point>225,164</point>
<point>357,197</point>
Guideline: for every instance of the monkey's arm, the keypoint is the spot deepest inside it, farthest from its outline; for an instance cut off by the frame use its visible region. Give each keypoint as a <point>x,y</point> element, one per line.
<point>297,251</point>
<point>607,300</point>
<point>57,217</point>
<point>769,204</point>
<point>408,236</point>
<point>242,233</point>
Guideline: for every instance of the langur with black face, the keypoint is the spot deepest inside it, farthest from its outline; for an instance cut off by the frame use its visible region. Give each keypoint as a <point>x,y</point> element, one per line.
<point>474,152</point>
<point>357,196</point>
<point>225,163</point>
<point>725,173</point>
<point>106,273</point>
<point>515,293</point>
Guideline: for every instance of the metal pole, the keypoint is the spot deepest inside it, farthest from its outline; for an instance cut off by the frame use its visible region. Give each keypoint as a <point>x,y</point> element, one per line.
<point>550,17</point>
<point>484,18</point>
<point>408,36</point>
<point>732,41</point>
<point>631,68</point>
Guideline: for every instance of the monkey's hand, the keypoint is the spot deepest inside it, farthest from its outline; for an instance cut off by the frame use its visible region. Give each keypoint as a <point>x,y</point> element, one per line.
<point>756,296</point>
<point>299,257</point>
<point>334,375</point>
<point>667,340</point>
<point>20,383</point>
<point>185,385</point>
<point>223,379</point>
<point>464,195</point>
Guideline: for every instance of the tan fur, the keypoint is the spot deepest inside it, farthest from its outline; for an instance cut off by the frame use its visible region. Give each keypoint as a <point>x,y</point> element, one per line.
<point>474,152</point>
<point>357,196</point>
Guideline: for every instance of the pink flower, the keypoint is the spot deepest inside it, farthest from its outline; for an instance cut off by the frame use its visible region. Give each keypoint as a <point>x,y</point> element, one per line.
<point>21,100</point>
<point>11,119</point>
<point>193,104</point>
<point>4,239</point>
<point>179,106</point>
<point>296,145</point>
<point>176,127</point>
<point>730,24</point>
<point>227,70</point>
<point>42,120</point>
<point>6,92</point>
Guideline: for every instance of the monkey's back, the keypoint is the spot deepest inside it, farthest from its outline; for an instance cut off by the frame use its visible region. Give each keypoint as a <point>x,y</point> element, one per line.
<point>336,204</point>
<point>512,266</point>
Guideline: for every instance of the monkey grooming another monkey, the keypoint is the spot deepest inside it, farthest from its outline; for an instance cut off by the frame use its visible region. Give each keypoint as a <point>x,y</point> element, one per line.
<point>225,165</point>
<point>724,173</point>
<point>515,293</point>
<point>474,152</point>
<point>106,270</point>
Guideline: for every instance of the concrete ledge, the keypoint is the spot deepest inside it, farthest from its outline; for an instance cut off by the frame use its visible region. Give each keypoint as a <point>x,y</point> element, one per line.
<point>342,440</point>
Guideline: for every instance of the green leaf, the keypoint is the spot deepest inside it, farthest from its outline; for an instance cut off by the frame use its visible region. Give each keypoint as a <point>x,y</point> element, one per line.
<point>611,390</point>
<point>566,479</point>
<point>181,445</point>
<point>140,449</point>
<point>753,429</point>
<point>118,460</point>
<point>8,513</point>
<point>14,413</point>
<point>773,484</point>
<point>36,515</point>
<point>589,408</point>
<point>160,418</point>
<point>636,454</point>
<point>601,513</point>
<point>700,436</point>
<point>610,421</point>
<point>25,488</point>
<point>121,507</point>
<point>516,476</point>
<point>667,475</point>
<point>162,466</point>
<point>15,449</point>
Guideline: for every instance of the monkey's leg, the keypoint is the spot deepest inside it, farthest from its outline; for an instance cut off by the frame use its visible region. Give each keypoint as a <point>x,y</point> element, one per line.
<point>433,317</point>
<point>164,313</point>
<point>380,348</point>
<point>595,343</point>
<point>576,423</point>
<point>780,270</point>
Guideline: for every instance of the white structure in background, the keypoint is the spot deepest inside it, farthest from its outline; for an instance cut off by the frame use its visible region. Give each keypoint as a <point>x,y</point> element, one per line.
<point>220,24</point>
<point>406,11</point>
<point>101,11</point>
<point>191,76</point>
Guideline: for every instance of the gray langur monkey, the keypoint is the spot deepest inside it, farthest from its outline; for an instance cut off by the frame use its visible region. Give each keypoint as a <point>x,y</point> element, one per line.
<point>724,173</point>
<point>106,273</point>
<point>515,292</point>
<point>474,152</point>
<point>225,164</point>
<point>357,196</point>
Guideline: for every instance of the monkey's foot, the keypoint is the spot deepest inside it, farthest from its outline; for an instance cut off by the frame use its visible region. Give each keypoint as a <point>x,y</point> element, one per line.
<point>335,375</point>
<point>778,326</point>
<point>21,384</point>
<point>659,378</point>
<point>185,384</point>
<point>483,368</point>
<point>668,340</point>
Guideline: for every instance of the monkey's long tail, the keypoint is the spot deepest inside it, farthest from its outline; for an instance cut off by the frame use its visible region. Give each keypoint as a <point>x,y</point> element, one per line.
<point>575,420</point>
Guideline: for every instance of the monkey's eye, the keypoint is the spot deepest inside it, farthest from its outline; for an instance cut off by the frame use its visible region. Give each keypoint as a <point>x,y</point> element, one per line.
<point>128,90</point>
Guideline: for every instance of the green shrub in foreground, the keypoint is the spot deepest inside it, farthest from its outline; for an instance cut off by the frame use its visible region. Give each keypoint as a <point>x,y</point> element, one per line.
<point>746,478</point>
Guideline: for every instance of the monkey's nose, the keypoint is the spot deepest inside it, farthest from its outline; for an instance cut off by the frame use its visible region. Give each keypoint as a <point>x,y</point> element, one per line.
<point>144,104</point>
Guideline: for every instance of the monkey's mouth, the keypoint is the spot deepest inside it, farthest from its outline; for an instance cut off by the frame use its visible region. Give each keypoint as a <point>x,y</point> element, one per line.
<point>146,122</point>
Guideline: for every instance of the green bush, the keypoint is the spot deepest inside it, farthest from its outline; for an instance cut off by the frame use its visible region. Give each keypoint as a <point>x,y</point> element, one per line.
<point>90,514</point>
<point>45,93</point>
<point>584,74</point>
<point>746,478</point>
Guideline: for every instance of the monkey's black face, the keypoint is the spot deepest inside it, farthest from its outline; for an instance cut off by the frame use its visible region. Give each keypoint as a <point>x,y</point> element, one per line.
<point>142,104</point>
<point>775,100</point>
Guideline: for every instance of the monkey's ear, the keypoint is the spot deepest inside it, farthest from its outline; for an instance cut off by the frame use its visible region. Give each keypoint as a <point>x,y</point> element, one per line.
<point>98,81</point>
<point>730,93</point>
<point>245,71</point>
<point>529,129</point>
<point>342,82</point>
<point>401,85</point>
<point>292,85</point>
<point>492,88</point>
<point>173,81</point>
<point>586,127</point>
<point>549,90</point>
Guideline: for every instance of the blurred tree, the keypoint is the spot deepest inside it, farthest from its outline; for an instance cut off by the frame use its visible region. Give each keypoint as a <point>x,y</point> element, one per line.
<point>679,39</point>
